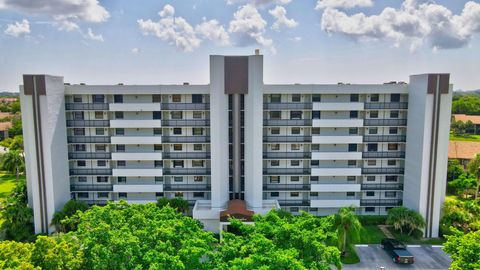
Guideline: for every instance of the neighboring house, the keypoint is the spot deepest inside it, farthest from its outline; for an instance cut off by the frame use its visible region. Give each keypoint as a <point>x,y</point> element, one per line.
<point>475,119</point>
<point>464,151</point>
<point>4,127</point>
<point>8,100</point>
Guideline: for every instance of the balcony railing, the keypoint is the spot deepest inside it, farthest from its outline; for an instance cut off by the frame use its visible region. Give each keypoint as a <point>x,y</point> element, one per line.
<point>186,171</point>
<point>384,138</point>
<point>287,106</point>
<point>287,122</point>
<point>186,139</point>
<point>86,106</point>
<point>88,123</point>
<point>382,186</point>
<point>91,187</point>
<point>95,202</point>
<point>385,122</point>
<point>90,171</point>
<point>268,187</point>
<point>185,122</point>
<point>88,139</point>
<point>185,155</point>
<point>286,171</point>
<point>287,138</point>
<point>381,202</point>
<point>293,202</point>
<point>288,155</point>
<point>396,154</point>
<point>90,155</point>
<point>383,170</point>
<point>386,105</point>
<point>186,187</point>
<point>185,106</point>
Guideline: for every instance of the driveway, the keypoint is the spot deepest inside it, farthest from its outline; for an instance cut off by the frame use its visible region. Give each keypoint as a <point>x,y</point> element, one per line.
<point>427,257</point>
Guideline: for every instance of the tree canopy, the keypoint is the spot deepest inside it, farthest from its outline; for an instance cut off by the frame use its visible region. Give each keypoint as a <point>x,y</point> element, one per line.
<point>405,220</point>
<point>464,250</point>
<point>466,104</point>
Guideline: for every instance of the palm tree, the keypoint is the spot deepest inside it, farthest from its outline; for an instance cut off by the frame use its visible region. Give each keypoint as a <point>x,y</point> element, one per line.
<point>348,226</point>
<point>13,162</point>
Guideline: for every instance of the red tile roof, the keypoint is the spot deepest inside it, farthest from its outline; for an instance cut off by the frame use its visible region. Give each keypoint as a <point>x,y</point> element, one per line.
<point>464,118</point>
<point>463,149</point>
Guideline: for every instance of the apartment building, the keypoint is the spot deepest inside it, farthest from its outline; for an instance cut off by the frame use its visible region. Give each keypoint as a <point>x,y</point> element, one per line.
<point>237,146</point>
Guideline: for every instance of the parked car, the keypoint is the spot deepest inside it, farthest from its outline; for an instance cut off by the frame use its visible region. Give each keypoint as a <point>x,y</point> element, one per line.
<point>398,251</point>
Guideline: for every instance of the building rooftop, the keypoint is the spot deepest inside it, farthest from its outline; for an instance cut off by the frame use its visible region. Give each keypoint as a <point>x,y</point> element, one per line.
<point>463,149</point>
<point>464,118</point>
<point>5,126</point>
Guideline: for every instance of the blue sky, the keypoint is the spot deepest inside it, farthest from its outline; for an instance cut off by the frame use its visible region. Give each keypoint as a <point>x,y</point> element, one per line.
<point>161,42</point>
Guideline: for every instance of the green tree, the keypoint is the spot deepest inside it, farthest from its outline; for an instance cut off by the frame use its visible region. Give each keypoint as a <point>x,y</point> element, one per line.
<point>458,127</point>
<point>16,255</point>
<point>460,215</point>
<point>348,227</point>
<point>454,170</point>
<point>473,167</point>
<point>464,184</point>
<point>464,249</point>
<point>14,162</point>
<point>404,219</point>
<point>66,219</point>
<point>59,251</point>
<point>16,128</point>
<point>179,204</point>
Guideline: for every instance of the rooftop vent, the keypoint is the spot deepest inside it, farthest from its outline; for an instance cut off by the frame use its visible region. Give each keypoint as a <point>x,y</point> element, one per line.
<point>82,83</point>
<point>391,82</point>
<point>66,83</point>
<point>186,83</point>
<point>119,83</point>
<point>257,51</point>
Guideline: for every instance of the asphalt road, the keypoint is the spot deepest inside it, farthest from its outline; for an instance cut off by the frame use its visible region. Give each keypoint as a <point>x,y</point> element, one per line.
<point>427,257</point>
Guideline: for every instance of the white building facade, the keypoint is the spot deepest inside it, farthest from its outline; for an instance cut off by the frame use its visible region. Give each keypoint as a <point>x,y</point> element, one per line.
<point>298,147</point>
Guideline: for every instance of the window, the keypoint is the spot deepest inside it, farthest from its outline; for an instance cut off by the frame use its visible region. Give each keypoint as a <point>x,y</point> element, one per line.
<point>197,131</point>
<point>395,97</point>
<point>100,148</point>
<point>391,162</point>
<point>374,98</point>
<point>313,178</point>
<point>294,194</point>
<point>388,208</point>
<point>118,115</point>
<point>119,131</point>
<point>197,163</point>
<point>275,163</point>
<point>197,115</point>
<point>316,98</point>
<point>275,131</point>
<point>354,98</point>
<point>372,147</point>
<point>313,194</point>
<point>176,98</point>
<point>372,162</point>
<point>102,179</point>
<point>178,194</point>
<point>77,99</point>
<point>374,114</point>
<point>369,209</point>
<point>178,164</point>
<point>177,131</point>
<point>275,114</point>
<point>390,194</point>
<point>393,130</point>
<point>121,163</point>
<point>296,98</point>
<point>314,163</point>
<point>294,209</point>
<point>156,98</point>
<point>274,194</point>
<point>315,114</point>
<point>315,147</point>
<point>98,98</point>
<point>198,194</point>
<point>157,115</point>
<point>275,147</point>
<point>178,179</point>
<point>197,98</point>
<point>82,195</point>
<point>351,178</point>
<point>394,114</point>
<point>352,147</point>
<point>79,131</point>
<point>373,131</point>
<point>294,163</point>
<point>274,179</point>
<point>158,179</point>
<point>198,179</point>
<point>295,131</point>
<point>158,163</point>
<point>99,131</point>
<point>352,163</point>
<point>157,147</point>
<point>176,115</point>
<point>296,115</point>
<point>295,147</point>
<point>350,194</point>
<point>353,114</point>
<point>120,147</point>
<point>353,131</point>
<point>157,131</point>
<point>82,179</point>
<point>81,163</point>
<point>80,147</point>
<point>197,147</point>
<point>370,178</point>
<point>159,194</point>
<point>391,178</point>
<point>98,115</point>
<point>177,147</point>
<point>122,179</point>
<point>393,146</point>
<point>370,193</point>
<point>294,178</point>
<point>101,163</point>
<point>78,115</point>
<point>316,131</point>
<point>122,195</point>
<point>275,98</point>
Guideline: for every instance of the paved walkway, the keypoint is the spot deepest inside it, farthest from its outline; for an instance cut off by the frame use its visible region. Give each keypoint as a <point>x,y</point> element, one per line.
<point>385,231</point>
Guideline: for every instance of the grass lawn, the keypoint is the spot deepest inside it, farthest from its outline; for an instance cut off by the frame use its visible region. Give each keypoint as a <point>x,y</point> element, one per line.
<point>352,257</point>
<point>7,182</point>
<point>466,137</point>
<point>416,239</point>
<point>371,235</point>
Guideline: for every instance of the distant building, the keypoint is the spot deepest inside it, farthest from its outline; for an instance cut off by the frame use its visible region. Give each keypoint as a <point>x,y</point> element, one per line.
<point>4,127</point>
<point>8,100</point>
<point>475,119</point>
<point>463,151</point>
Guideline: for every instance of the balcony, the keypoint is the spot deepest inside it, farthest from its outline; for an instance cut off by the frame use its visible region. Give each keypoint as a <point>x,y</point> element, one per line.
<point>334,203</point>
<point>335,187</point>
<point>286,171</point>
<point>337,155</point>
<point>284,139</point>
<point>383,186</point>
<point>294,203</point>
<point>86,106</point>
<point>287,106</point>
<point>89,155</point>
<point>186,139</point>
<point>396,154</point>
<point>137,123</point>
<point>134,107</point>
<point>186,187</point>
<point>137,139</point>
<point>338,106</point>
<point>341,171</point>
<point>337,122</point>
<point>186,155</point>
<point>138,188</point>
<point>384,138</point>
<point>88,139</point>
<point>152,172</point>
<point>287,122</point>
<point>90,171</point>
<point>286,187</point>
<point>186,123</point>
<point>88,123</point>
<point>137,156</point>
<point>381,202</point>
<point>94,202</point>
<point>186,171</point>
<point>385,122</point>
<point>186,106</point>
<point>383,170</point>
<point>320,139</point>
<point>286,155</point>
<point>90,187</point>
<point>386,105</point>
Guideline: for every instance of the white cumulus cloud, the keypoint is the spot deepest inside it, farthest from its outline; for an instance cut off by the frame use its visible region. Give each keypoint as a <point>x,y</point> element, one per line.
<point>135,50</point>
<point>415,23</point>
<point>18,28</point>
<point>213,31</point>
<point>259,2</point>
<point>321,4</point>
<point>92,36</point>
<point>280,15</point>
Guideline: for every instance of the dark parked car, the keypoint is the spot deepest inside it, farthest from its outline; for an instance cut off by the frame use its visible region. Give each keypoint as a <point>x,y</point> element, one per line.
<point>398,251</point>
